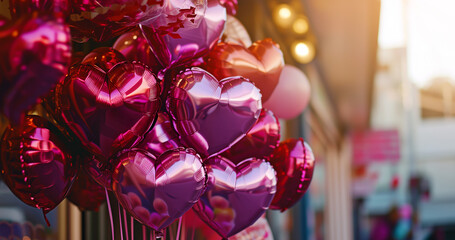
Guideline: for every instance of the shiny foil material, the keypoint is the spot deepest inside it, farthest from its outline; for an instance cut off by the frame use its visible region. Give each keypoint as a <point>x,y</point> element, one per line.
<point>36,164</point>
<point>211,115</point>
<point>235,33</point>
<point>85,193</point>
<point>158,191</point>
<point>261,63</point>
<point>35,53</point>
<point>109,111</point>
<point>293,162</point>
<point>231,6</point>
<point>237,195</point>
<point>189,42</point>
<point>259,142</point>
<point>104,58</point>
<point>161,137</point>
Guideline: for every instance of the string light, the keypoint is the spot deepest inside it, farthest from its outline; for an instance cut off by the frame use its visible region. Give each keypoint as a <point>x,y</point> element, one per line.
<point>300,25</point>
<point>303,51</point>
<point>283,15</point>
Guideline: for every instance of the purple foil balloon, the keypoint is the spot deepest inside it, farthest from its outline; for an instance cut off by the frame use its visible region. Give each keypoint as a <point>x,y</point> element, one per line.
<point>35,53</point>
<point>162,137</point>
<point>236,196</point>
<point>189,42</point>
<point>259,142</point>
<point>109,111</point>
<point>36,163</point>
<point>156,192</point>
<point>212,115</point>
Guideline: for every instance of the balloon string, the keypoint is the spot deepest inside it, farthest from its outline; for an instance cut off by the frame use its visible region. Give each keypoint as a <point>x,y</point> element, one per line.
<point>125,221</point>
<point>45,218</point>
<point>178,228</point>
<point>110,213</point>
<point>152,235</point>
<point>120,221</point>
<point>143,232</point>
<point>132,228</point>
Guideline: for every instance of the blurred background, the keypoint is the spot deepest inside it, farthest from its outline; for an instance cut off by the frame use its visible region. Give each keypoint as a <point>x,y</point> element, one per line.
<point>380,121</point>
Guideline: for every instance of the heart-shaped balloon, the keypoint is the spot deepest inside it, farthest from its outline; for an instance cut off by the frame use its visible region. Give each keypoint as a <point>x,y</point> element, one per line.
<point>261,63</point>
<point>158,191</point>
<point>36,163</point>
<point>211,115</point>
<point>35,53</point>
<point>135,47</point>
<point>104,19</point>
<point>293,161</point>
<point>190,42</point>
<point>109,111</point>
<point>85,193</point>
<point>236,195</point>
<point>236,33</point>
<point>162,137</point>
<point>259,142</point>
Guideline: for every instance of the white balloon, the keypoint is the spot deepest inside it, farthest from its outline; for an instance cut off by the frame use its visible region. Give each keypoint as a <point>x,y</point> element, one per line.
<point>291,95</point>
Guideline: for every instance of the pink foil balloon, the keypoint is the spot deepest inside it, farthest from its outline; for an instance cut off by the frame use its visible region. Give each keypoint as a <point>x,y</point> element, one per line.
<point>231,6</point>
<point>291,95</point>
<point>109,111</point>
<point>293,162</point>
<point>135,47</point>
<point>35,53</point>
<point>237,195</point>
<point>36,163</point>
<point>211,115</point>
<point>161,137</point>
<point>158,191</point>
<point>190,42</point>
<point>259,142</point>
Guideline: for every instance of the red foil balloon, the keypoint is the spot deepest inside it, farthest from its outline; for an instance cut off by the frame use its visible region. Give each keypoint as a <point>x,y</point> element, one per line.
<point>36,164</point>
<point>86,193</point>
<point>104,58</point>
<point>261,63</point>
<point>293,162</point>
<point>109,111</point>
<point>35,53</point>
<point>211,115</point>
<point>189,42</point>
<point>158,191</point>
<point>161,137</point>
<point>236,195</point>
<point>259,142</point>
<point>135,47</point>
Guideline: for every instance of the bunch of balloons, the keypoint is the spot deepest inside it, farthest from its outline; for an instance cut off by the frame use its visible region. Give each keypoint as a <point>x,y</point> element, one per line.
<point>170,117</point>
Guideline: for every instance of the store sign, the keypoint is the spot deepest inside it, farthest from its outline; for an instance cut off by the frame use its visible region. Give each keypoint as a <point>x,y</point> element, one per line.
<point>376,146</point>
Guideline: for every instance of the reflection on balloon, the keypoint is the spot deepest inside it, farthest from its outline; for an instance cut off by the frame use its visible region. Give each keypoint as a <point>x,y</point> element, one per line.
<point>237,195</point>
<point>293,162</point>
<point>211,115</point>
<point>158,191</point>
<point>291,95</point>
<point>36,163</point>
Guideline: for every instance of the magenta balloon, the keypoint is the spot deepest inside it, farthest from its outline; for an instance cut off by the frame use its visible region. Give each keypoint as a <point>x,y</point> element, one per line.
<point>291,95</point>
<point>36,163</point>
<point>237,195</point>
<point>212,115</point>
<point>259,142</point>
<point>109,111</point>
<point>158,191</point>
<point>162,137</point>
<point>189,42</point>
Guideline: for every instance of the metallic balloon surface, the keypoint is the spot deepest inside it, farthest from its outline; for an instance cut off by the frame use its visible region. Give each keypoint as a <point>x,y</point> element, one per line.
<point>35,53</point>
<point>236,195</point>
<point>104,19</point>
<point>36,164</point>
<point>259,142</point>
<point>104,58</point>
<point>161,137</point>
<point>211,115</point>
<point>109,111</point>
<point>261,63</point>
<point>231,6</point>
<point>236,33</point>
<point>293,162</point>
<point>190,42</point>
<point>158,191</point>
<point>135,47</point>
<point>86,193</point>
